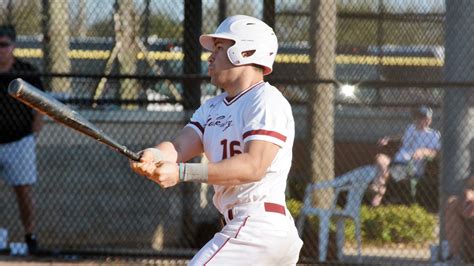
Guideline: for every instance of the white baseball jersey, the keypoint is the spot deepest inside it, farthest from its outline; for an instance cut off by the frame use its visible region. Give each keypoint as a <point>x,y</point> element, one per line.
<point>414,139</point>
<point>225,124</point>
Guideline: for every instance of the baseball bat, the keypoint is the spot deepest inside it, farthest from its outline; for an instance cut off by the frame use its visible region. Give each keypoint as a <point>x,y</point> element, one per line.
<point>46,104</point>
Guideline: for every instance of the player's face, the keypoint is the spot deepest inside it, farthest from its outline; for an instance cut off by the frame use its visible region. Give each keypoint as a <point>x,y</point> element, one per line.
<point>220,68</point>
<point>6,50</point>
<point>424,122</point>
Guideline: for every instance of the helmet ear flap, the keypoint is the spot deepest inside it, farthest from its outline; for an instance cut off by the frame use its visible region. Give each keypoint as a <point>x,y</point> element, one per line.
<point>234,55</point>
<point>241,54</point>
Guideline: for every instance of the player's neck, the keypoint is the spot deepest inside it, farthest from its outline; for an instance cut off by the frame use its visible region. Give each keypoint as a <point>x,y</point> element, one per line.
<point>242,83</point>
<point>421,127</point>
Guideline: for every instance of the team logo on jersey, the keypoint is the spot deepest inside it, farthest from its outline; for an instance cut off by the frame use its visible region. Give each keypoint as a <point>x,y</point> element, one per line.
<point>221,121</point>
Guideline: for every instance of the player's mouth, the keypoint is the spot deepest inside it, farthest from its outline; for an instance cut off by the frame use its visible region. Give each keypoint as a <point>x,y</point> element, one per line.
<point>210,68</point>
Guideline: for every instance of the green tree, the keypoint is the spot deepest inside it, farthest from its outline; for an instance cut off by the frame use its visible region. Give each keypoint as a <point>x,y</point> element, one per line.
<point>165,27</point>
<point>161,25</point>
<point>26,16</point>
<point>102,28</point>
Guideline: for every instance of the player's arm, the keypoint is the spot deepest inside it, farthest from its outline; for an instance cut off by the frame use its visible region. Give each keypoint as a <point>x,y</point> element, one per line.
<point>390,138</point>
<point>249,166</point>
<point>246,167</point>
<point>184,147</point>
<point>430,151</point>
<point>423,153</point>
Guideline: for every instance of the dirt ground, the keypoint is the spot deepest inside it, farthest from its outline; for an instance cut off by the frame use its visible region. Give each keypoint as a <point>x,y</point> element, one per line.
<point>75,261</point>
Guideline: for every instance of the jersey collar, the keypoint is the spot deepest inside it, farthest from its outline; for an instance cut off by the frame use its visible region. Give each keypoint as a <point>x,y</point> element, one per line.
<point>230,100</point>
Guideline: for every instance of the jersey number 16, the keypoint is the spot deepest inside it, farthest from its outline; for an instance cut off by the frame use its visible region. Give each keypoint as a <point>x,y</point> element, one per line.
<point>230,147</point>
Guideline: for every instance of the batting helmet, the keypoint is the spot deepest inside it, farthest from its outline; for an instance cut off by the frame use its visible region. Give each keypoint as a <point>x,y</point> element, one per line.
<point>249,34</point>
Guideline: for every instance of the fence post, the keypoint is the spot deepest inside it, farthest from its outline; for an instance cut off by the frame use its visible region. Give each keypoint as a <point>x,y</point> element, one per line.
<point>191,101</point>
<point>457,118</point>
<point>321,100</point>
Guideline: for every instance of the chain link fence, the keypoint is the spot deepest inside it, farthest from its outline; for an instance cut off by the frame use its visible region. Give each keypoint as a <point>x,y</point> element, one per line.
<point>352,70</point>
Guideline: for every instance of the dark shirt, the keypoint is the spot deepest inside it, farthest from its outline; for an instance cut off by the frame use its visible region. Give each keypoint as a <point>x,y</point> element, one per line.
<point>16,118</point>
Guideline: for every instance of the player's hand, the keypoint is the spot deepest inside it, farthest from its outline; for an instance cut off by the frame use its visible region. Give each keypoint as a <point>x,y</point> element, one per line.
<point>144,167</point>
<point>148,158</point>
<point>166,174</point>
<point>468,204</point>
<point>383,141</point>
<point>418,155</point>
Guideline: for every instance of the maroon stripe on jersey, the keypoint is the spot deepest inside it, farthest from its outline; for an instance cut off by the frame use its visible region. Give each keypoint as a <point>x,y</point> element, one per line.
<point>232,100</point>
<point>238,231</point>
<point>217,251</point>
<point>198,126</point>
<point>227,240</point>
<point>266,133</point>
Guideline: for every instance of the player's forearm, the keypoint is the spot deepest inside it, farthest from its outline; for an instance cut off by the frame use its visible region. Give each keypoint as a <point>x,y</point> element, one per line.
<point>183,148</point>
<point>168,151</point>
<point>240,169</point>
<point>397,137</point>
<point>429,153</point>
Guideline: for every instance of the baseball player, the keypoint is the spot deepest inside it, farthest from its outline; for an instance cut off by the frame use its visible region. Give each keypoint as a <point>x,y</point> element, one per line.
<point>247,135</point>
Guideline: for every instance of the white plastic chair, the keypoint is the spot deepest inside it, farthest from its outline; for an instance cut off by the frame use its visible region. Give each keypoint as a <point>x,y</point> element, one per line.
<point>355,182</point>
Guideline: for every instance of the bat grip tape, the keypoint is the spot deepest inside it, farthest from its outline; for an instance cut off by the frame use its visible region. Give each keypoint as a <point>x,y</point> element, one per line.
<point>193,172</point>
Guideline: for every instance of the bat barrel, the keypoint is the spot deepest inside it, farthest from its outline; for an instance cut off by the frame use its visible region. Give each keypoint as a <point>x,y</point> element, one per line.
<point>44,103</point>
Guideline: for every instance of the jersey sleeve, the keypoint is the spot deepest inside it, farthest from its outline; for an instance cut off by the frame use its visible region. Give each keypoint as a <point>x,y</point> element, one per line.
<point>268,119</point>
<point>435,142</point>
<point>198,121</point>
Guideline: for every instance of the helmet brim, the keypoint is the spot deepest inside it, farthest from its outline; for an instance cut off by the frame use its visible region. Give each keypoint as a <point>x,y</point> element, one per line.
<point>207,40</point>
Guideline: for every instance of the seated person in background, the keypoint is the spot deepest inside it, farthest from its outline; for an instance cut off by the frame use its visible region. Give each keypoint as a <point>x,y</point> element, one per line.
<point>419,143</point>
<point>459,213</point>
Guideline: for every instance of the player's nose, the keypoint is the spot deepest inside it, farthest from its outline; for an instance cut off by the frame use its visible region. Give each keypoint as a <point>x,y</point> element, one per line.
<point>210,59</point>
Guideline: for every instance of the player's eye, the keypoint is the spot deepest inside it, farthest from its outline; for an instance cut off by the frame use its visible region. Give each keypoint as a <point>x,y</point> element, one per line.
<point>218,47</point>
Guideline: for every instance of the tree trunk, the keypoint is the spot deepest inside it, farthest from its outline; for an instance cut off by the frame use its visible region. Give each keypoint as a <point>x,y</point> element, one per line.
<point>321,101</point>
<point>56,44</point>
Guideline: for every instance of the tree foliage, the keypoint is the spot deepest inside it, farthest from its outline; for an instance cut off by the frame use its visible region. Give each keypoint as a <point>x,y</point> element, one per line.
<point>293,28</point>
<point>160,25</point>
<point>26,15</point>
<point>358,24</point>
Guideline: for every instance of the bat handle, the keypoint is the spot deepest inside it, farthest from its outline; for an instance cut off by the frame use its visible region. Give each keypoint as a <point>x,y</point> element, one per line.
<point>131,155</point>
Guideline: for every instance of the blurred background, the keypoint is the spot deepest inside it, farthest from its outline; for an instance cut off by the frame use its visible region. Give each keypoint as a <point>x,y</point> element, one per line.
<point>352,70</point>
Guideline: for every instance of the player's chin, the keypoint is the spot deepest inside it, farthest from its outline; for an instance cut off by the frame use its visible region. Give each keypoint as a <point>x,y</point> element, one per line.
<point>216,79</point>
<point>211,72</point>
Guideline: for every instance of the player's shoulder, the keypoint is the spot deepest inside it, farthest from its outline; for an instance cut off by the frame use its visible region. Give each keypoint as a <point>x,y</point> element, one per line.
<point>411,128</point>
<point>268,92</point>
<point>434,132</point>
<point>213,101</point>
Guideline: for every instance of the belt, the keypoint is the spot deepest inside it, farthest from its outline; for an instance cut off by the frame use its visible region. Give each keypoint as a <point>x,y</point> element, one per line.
<point>267,206</point>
